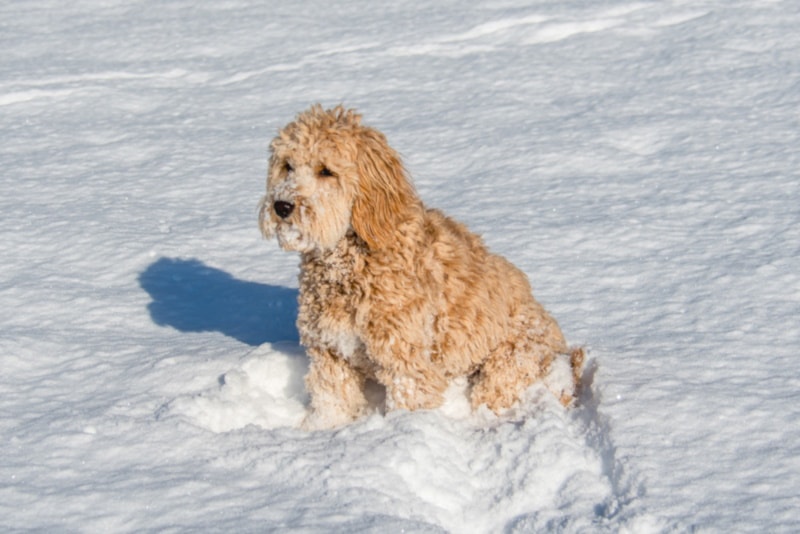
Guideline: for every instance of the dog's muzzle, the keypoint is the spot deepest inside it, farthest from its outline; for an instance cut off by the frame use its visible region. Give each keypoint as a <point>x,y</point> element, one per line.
<point>282,208</point>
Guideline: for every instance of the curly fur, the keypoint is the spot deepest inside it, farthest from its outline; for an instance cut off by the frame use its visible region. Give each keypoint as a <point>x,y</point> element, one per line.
<point>391,291</point>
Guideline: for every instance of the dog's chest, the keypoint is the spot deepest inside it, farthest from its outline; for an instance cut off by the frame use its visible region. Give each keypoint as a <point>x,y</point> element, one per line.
<point>335,329</point>
<point>329,305</point>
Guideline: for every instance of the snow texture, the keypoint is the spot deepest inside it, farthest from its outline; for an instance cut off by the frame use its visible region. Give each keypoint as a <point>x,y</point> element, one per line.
<point>639,160</point>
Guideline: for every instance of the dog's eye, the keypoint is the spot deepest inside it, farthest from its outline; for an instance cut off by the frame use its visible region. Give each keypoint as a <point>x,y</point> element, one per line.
<point>326,172</point>
<point>288,167</point>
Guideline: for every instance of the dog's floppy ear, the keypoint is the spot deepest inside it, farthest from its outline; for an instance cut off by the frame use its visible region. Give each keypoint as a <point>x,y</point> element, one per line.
<point>384,197</point>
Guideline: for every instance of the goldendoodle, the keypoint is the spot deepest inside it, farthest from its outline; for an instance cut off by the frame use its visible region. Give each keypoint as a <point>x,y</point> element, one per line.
<point>391,291</point>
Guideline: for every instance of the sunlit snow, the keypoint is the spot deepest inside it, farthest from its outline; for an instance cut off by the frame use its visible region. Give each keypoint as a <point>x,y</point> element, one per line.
<point>640,161</point>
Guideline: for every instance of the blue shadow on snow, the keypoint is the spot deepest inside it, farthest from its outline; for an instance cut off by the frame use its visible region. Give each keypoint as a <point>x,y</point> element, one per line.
<point>190,296</point>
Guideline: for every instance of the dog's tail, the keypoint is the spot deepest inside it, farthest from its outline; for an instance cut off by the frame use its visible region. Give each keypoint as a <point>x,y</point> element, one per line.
<point>577,356</point>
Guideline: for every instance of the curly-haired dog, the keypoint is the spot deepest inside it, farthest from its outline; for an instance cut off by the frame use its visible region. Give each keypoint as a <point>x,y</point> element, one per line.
<point>392,291</point>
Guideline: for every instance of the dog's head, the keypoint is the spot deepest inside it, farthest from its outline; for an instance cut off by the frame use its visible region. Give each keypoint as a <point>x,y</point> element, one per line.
<point>329,174</point>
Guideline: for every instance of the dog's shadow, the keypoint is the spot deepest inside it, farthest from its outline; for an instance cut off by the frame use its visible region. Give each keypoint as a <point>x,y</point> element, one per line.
<point>190,296</point>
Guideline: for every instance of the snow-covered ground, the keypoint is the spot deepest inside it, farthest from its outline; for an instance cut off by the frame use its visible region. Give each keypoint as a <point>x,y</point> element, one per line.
<point>639,160</point>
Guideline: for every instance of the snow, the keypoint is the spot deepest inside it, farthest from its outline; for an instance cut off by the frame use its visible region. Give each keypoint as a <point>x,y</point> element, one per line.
<point>639,160</point>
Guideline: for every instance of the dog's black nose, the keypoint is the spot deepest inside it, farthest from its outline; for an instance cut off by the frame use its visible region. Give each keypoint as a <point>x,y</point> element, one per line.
<point>283,208</point>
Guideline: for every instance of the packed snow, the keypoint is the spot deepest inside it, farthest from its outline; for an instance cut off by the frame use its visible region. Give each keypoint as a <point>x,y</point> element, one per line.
<point>640,161</point>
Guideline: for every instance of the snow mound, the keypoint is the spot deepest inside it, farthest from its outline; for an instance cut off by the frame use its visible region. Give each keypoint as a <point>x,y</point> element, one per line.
<point>266,389</point>
<point>448,468</point>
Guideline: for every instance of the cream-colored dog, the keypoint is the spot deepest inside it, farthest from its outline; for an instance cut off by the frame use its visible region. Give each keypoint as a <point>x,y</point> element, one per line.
<point>391,291</point>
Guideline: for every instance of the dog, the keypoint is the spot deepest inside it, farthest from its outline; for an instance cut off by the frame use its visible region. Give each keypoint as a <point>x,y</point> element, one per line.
<point>393,292</point>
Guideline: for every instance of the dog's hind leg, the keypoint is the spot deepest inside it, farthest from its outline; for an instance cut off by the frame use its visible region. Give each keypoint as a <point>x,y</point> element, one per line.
<point>525,357</point>
<point>507,372</point>
<point>336,389</point>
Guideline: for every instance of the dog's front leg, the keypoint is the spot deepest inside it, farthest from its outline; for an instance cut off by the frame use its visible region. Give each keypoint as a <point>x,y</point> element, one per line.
<point>336,390</point>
